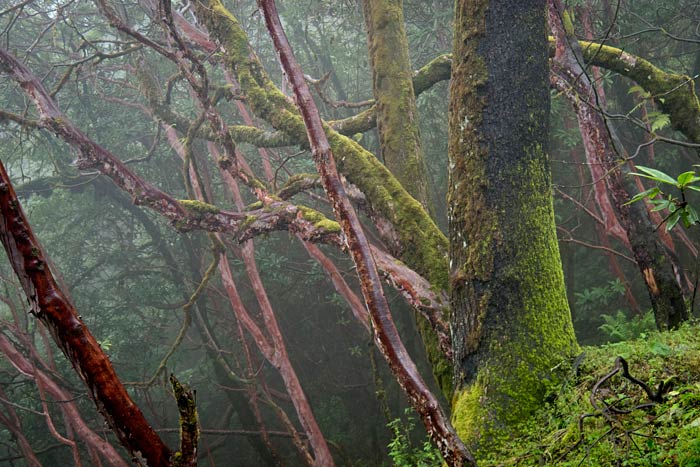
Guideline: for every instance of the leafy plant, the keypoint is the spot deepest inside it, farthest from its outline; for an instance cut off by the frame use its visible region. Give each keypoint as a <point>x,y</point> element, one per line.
<point>678,207</point>
<point>597,298</point>
<point>619,327</point>
<point>403,452</point>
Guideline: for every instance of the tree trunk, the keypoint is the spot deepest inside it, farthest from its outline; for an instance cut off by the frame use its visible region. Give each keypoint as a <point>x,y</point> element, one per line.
<point>397,127</point>
<point>510,317</point>
<point>392,84</point>
<point>653,260</point>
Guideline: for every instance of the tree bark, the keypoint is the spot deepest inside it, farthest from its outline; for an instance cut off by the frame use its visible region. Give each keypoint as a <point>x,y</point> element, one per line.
<point>386,335</point>
<point>50,305</point>
<point>653,260</point>
<point>397,115</point>
<point>510,318</point>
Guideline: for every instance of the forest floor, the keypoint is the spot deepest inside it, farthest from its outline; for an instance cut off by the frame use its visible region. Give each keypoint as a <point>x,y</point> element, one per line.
<point>595,416</point>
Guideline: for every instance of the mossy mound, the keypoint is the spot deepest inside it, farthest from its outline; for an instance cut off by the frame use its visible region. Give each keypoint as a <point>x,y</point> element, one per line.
<point>593,418</point>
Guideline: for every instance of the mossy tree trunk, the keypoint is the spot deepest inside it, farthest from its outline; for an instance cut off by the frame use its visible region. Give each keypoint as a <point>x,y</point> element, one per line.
<point>510,317</point>
<point>397,127</point>
<point>392,84</point>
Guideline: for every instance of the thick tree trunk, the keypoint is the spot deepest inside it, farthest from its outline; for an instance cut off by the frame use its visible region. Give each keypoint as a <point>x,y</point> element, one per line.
<point>510,317</point>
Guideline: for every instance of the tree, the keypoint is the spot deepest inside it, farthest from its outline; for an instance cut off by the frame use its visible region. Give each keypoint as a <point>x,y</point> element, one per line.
<point>510,318</point>
<point>189,72</point>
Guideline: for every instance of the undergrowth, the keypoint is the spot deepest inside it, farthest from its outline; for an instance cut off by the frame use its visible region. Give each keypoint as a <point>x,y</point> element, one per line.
<point>591,420</point>
<point>595,417</point>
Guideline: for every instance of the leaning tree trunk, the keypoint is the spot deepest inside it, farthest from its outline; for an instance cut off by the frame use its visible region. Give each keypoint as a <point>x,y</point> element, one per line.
<point>397,128</point>
<point>510,317</point>
<point>653,259</point>
<point>51,306</point>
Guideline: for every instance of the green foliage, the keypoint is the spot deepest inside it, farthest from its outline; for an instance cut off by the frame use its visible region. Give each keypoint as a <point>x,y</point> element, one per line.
<point>570,431</point>
<point>594,299</point>
<point>619,327</point>
<point>677,207</point>
<point>403,452</point>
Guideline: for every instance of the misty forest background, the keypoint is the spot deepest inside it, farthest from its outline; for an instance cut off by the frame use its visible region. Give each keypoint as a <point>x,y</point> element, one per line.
<point>148,293</point>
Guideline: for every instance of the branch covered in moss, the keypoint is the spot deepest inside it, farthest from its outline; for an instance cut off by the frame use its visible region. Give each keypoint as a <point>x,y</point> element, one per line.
<point>673,92</point>
<point>189,425</point>
<point>386,335</point>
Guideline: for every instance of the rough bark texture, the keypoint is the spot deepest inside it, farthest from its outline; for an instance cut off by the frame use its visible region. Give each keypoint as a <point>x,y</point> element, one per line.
<point>50,305</point>
<point>652,258</point>
<point>510,317</point>
<point>399,140</point>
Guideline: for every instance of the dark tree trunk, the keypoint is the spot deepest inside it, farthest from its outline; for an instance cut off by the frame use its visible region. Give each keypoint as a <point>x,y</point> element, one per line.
<point>510,317</point>
<point>653,260</point>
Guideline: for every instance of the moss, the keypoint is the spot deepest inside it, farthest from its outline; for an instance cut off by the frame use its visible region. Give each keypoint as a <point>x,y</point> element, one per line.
<point>674,93</point>
<point>198,208</point>
<point>466,417</point>
<point>254,206</point>
<point>511,318</point>
<point>319,220</point>
<point>660,434</point>
<point>393,90</point>
<point>420,243</point>
<point>247,222</point>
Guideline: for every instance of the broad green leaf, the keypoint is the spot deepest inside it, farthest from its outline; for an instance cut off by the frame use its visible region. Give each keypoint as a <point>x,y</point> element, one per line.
<point>665,204</point>
<point>673,220</point>
<point>685,218</point>
<point>686,178</point>
<point>654,174</point>
<point>651,192</point>
<point>692,214</point>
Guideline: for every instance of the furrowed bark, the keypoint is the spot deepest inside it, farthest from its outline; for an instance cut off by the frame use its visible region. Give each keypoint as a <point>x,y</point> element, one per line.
<point>50,305</point>
<point>386,334</point>
<point>510,318</point>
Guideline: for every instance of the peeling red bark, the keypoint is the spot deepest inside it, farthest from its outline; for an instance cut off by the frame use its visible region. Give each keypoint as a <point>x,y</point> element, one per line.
<point>50,305</point>
<point>652,258</point>
<point>386,335</point>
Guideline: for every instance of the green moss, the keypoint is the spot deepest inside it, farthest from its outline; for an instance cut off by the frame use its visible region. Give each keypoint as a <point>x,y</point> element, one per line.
<point>674,93</point>
<point>660,434</point>
<point>420,243</point>
<point>512,322</point>
<point>393,90</point>
<point>247,222</point>
<point>466,416</point>
<point>254,206</point>
<point>319,220</point>
<point>198,208</point>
